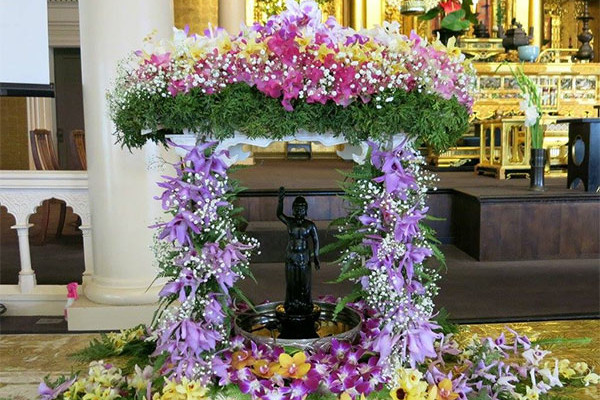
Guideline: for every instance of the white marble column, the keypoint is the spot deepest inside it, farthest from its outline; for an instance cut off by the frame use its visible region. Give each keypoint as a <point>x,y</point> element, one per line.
<point>86,233</point>
<point>27,279</point>
<point>231,14</point>
<point>122,184</point>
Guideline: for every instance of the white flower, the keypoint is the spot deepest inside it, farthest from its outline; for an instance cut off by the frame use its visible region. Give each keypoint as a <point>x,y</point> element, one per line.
<point>551,378</point>
<point>531,112</point>
<point>535,355</point>
<point>592,378</point>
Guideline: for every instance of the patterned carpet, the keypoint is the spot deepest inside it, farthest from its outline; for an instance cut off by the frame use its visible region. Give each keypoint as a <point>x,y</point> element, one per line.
<point>26,359</point>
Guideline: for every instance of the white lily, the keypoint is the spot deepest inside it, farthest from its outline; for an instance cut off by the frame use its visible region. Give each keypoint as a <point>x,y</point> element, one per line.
<point>531,112</point>
<point>592,378</point>
<point>551,378</point>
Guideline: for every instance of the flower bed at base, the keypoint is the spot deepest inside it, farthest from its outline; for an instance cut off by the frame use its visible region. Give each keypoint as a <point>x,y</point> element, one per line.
<point>296,72</point>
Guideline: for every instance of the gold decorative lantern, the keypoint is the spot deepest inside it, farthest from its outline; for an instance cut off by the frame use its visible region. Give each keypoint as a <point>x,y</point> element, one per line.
<point>412,7</point>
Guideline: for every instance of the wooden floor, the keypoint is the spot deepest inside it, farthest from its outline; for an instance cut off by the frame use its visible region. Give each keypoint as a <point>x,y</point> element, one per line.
<point>324,174</point>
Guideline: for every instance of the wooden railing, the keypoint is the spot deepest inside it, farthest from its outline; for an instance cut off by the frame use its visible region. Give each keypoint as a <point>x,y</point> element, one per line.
<point>22,192</point>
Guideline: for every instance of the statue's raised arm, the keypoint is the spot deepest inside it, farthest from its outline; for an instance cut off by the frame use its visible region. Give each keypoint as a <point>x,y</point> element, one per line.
<point>282,217</point>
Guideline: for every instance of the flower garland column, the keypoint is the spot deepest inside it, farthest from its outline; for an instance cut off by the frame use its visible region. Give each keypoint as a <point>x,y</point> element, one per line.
<point>121,183</point>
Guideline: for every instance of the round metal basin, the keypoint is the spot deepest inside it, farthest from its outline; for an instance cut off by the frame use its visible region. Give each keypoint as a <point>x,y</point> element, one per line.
<point>262,326</point>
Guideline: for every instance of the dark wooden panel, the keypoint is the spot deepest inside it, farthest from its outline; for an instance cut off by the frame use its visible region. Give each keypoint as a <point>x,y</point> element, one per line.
<point>465,223</point>
<point>500,233</point>
<point>488,228</point>
<point>440,206</point>
<point>580,233</point>
<point>320,208</point>
<point>539,230</point>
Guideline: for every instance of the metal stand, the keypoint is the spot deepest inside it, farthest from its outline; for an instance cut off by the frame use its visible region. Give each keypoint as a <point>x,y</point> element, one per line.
<point>585,52</point>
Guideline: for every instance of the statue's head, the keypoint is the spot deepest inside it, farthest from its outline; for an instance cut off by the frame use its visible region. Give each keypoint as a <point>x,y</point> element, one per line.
<point>299,207</point>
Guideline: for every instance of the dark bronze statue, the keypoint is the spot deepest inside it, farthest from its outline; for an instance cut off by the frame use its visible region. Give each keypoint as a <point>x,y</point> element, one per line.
<point>298,304</point>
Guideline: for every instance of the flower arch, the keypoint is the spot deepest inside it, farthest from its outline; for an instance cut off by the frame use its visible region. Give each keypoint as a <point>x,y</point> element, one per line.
<point>285,79</point>
<point>294,75</point>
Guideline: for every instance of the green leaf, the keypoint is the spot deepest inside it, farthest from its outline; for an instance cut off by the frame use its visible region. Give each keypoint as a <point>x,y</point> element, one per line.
<point>562,341</point>
<point>160,361</point>
<point>240,295</point>
<point>469,15</point>
<point>455,21</point>
<point>328,248</point>
<point>355,295</point>
<point>428,117</point>
<point>442,319</point>
<point>98,349</point>
<point>431,14</point>
<point>439,255</point>
<point>353,274</point>
<point>291,350</point>
<point>482,395</point>
<point>432,218</point>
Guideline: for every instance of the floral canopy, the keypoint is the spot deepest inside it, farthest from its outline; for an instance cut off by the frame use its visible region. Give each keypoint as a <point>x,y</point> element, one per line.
<point>294,73</point>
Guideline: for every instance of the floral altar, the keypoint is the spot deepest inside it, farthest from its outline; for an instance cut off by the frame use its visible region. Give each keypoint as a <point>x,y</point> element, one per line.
<point>298,73</point>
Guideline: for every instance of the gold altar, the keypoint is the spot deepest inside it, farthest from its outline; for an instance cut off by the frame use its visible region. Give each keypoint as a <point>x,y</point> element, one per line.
<point>505,145</point>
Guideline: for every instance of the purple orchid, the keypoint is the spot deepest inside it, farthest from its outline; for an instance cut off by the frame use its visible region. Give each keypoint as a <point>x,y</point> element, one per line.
<point>48,393</point>
<point>187,279</point>
<point>420,341</point>
<point>177,229</point>
<point>340,349</point>
<point>213,312</point>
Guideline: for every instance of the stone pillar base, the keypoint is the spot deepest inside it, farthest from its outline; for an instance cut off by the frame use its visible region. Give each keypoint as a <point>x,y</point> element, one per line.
<point>85,315</point>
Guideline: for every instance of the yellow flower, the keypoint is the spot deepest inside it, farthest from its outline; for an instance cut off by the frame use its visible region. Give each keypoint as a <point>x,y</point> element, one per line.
<point>323,52</point>
<point>531,393</point>
<point>118,340</point>
<point>432,394</point>
<point>293,367</point>
<point>398,393</point>
<point>564,368</point>
<point>345,396</point>
<point>77,387</point>
<point>264,369</point>
<point>170,391</point>
<point>411,387</point>
<point>253,47</point>
<point>580,367</point>
<point>191,390</point>
<point>444,390</point>
<point>134,334</point>
<point>223,44</point>
<point>140,378</point>
<point>241,359</point>
<point>411,379</point>
<point>101,393</point>
<point>303,41</point>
